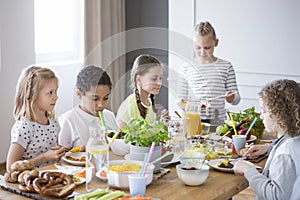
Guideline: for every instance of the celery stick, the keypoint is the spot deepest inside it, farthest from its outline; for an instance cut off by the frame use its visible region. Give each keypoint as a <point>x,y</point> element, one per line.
<point>96,193</point>
<point>111,195</point>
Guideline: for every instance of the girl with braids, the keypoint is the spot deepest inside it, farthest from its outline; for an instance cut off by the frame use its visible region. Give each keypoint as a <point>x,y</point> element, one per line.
<point>280,179</point>
<point>208,76</point>
<point>34,135</point>
<point>146,80</point>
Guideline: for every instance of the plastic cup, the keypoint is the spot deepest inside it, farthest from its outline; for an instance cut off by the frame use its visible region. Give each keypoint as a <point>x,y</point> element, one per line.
<point>137,184</point>
<point>239,142</point>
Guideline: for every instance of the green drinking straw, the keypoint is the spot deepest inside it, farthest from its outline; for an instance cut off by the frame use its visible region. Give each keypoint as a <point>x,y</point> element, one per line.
<point>251,126</point>
<point>102,121</point>
<point>144,164</point>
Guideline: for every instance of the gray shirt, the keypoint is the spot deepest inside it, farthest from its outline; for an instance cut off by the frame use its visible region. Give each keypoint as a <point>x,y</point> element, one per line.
<point>280,178</point>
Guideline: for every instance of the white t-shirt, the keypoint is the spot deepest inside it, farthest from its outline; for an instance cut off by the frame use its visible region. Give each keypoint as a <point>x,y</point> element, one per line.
<point>75,125</point>
<point>34,137</point>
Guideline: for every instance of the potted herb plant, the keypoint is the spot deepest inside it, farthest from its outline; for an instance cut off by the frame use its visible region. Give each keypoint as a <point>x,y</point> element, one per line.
<point>140,134</point>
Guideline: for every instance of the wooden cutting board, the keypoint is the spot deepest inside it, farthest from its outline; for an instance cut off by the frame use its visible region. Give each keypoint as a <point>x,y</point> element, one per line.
<point>13,187</point>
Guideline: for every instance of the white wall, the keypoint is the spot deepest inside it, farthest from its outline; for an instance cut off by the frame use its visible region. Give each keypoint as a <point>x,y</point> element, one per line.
<point>260,38</point>
<point>17,52</point>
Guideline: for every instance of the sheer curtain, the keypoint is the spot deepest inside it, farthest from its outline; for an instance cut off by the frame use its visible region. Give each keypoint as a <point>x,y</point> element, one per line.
<point>105,42</point>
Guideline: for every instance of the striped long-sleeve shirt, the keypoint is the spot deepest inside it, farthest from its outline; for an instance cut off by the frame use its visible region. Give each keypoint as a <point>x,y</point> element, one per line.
<point>199,82</point>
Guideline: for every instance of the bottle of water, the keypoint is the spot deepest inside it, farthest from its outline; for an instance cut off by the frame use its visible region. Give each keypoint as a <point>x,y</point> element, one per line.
<point>97,160</point>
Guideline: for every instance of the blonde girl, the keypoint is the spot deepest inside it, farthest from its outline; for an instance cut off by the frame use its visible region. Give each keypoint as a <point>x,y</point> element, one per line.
<point>208,76</point>
<point>34,134</point>
<point>146,80</point>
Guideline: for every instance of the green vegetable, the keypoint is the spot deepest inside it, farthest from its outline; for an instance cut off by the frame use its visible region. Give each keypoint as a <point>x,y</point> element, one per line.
<point>111,195</point>
<point>94,194</point>
<point>250,115</point>
<point>141,133</point>
<point>222,129</point>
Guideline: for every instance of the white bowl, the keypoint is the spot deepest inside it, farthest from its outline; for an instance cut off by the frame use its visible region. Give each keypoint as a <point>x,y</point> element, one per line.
<point>140,157</point>
<point>119,147</point>
<point>192,158</point>
<point>120,179</point>
<point>192,177</point>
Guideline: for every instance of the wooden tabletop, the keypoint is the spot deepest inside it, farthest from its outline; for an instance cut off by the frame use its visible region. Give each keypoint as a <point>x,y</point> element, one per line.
<point>219,185</point>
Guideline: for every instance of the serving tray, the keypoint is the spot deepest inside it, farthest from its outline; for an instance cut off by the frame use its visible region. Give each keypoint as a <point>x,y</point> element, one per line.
<point>13,187</point>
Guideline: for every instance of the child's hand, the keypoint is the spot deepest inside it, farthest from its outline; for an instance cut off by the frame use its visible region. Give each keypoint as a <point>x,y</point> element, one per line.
<point>240,167</point>
<point>229,96</point>
<point>162,114</point>
<point>55,153</point>
<point>181,103</point>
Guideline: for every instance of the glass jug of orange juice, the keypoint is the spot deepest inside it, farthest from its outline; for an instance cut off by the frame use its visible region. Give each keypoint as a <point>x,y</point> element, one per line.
<point>192,112</point>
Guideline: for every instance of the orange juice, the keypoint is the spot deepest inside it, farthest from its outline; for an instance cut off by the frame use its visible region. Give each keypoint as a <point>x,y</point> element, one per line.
<point>194,123</point>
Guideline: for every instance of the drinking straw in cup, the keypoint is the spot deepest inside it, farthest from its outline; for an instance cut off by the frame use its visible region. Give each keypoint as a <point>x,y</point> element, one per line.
<point>233,124</point>
<point>144,164</point>
<point>113,138</point>
<point>149,158</point>
<point>251,126</point>
<point>102,121</point>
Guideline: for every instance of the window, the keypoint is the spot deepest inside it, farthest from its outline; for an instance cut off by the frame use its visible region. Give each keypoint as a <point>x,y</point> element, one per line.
<point>58,30</point>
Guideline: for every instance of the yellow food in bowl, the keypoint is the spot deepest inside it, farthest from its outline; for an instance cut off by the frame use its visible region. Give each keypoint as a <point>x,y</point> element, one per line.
<point>127,167</point>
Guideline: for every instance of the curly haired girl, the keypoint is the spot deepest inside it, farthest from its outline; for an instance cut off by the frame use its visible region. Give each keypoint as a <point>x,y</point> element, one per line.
<point>280,179</point>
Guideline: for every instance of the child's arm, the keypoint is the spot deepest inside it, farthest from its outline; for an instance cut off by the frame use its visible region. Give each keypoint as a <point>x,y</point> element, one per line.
<point>50,155</point>
<point>15,153</point>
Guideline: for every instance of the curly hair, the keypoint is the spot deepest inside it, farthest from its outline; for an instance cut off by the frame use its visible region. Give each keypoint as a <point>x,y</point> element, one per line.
<point>92,76</point>
<point>282,98</point>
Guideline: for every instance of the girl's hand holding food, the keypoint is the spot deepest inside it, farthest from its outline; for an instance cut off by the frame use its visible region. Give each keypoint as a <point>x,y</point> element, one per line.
<point>55,153</point>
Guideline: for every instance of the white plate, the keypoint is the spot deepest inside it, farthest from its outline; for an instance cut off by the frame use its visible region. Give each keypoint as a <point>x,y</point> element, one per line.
<point>214,136</point>
<point>74,155</point>
<point>100,177</point>
<point>82,180</point>
<point>213,164</point>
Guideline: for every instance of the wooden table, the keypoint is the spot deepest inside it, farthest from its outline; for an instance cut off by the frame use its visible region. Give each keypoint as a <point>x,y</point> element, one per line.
<point>219,185</point>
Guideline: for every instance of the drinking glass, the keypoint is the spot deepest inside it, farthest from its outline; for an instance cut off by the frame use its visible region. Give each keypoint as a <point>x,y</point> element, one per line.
<point>177,129</point>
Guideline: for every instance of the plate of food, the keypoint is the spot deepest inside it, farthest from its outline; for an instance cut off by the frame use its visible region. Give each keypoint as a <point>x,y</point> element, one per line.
<point>77,180</point>
<point>77,158</point>
<point>223,165</point>
<point>214,136</point>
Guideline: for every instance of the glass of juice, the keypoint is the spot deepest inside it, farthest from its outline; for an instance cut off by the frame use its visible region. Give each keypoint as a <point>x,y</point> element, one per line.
<point>192,112</point>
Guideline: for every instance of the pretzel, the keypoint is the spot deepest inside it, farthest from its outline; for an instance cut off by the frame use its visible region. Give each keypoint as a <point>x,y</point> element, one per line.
<point>27,186</point>
<point>54,184</point>
<point>22,175</point>
<point>11,177</point>
<point>22,165</point>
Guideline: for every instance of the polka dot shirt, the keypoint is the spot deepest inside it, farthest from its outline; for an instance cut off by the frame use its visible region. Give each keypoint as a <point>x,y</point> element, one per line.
<point>35,138</point>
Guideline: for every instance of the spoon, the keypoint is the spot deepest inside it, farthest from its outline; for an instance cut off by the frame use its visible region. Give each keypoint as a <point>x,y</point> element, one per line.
<point>221,96</point>
<point>163,156</point>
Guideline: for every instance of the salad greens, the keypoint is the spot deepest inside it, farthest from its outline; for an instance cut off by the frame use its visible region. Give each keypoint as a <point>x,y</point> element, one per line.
<point>249,114</point>
<point>141,133</point>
